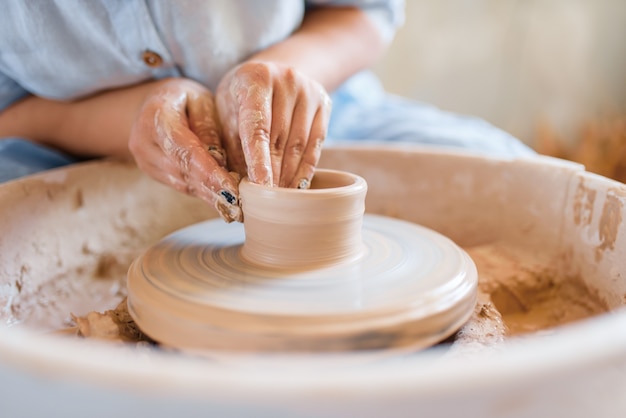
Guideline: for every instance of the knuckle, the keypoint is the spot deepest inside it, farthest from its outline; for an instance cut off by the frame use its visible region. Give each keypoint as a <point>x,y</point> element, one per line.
<point>182,157</point>
<point>184,175</point>
<point>254,121</point>
<point>290,75</point>
<point>261,133</point>
<point>311,158</point>
<point>297,145</point>
<point>213,132</point>
<point>277,145</point>
<point>190,190</point>
<point>257,72</point>
<point>318,91</point>
<point>207,130</point>
<point>318,142</point>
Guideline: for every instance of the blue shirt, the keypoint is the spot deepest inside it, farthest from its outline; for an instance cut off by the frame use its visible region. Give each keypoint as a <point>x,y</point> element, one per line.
<point>66,49</point>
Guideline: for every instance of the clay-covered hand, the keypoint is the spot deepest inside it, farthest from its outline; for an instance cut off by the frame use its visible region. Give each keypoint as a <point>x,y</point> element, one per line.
<point>275,120</point>
<point>176,139</point>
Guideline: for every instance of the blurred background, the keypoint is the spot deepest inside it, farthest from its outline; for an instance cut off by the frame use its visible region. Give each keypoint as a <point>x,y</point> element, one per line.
<point>551,72</point>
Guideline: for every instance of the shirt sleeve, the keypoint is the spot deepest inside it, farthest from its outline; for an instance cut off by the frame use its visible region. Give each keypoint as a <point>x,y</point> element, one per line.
<point>10,91</point>
<point>387,15</point>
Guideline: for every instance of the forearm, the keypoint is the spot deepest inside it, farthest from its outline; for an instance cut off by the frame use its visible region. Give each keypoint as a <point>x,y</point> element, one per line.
<point>95,126</point>
<point>330,46</point>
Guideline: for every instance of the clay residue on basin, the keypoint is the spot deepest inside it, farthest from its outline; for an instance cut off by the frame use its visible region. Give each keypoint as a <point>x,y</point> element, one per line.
<point>529,296</point>
<point>100,283</point>
<point>609,224</point>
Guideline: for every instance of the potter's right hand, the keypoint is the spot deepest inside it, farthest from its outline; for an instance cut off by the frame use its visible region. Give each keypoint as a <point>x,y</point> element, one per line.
<point>275,120</point>
<point>176,140</point>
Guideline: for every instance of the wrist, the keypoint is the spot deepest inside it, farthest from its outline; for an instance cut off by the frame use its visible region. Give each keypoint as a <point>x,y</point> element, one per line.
<point>100,125</point>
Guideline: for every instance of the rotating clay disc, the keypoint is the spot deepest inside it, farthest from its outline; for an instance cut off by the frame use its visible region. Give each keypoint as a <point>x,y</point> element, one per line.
<point>407,286</point>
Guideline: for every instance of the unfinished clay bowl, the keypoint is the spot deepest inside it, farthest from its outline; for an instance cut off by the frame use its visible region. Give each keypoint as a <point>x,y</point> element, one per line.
<point>68,236</point>
<point>309,274</point>
<point>304,229</point>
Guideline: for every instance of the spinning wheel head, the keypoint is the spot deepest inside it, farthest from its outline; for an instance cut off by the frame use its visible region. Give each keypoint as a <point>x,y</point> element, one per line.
<point>306,272</point>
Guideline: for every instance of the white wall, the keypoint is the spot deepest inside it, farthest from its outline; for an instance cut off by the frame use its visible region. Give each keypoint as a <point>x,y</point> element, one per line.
<point>513,62</point>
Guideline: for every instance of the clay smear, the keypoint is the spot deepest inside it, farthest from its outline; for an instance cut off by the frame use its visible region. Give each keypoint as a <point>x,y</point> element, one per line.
<point>531,297</point>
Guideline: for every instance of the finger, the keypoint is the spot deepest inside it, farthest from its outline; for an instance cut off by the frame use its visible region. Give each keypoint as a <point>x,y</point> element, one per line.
<point>254,129</point>
<point>228,110</point>
<point>150,159</point>
<point>167,171</point>
<point>221,197</point>
<point>211,182</point>
<point>168,174</point>
<point>299,132</point>
<point>204,122</point>
<point>283,103</point>
<point>202,174</point>
<point>311,156</point>
<point>153,162</point>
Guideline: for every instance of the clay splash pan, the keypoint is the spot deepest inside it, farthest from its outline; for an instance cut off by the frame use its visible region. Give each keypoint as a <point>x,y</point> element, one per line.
<point>548,240</point>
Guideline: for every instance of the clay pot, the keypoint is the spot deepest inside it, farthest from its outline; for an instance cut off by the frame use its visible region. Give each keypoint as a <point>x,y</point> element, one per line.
<point>320,226</point>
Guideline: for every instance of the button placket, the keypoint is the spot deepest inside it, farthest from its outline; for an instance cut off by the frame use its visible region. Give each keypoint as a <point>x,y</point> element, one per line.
<point>153,52</point>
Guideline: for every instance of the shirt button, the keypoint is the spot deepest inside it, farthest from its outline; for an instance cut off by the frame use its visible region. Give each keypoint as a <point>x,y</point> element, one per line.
<point>151,58</point>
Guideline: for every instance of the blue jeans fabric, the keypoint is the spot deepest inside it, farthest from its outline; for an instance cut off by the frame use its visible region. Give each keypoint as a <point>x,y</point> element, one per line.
<point>19,158</point>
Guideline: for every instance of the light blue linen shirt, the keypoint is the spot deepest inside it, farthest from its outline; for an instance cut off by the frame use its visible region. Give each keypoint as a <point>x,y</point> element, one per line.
<point>66,49</point>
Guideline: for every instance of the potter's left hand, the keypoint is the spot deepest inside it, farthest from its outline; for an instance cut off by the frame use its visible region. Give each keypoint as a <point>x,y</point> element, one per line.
<point>176,140</point>
<point>274,120</point>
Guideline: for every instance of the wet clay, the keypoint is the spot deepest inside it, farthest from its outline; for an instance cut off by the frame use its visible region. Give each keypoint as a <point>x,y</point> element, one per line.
<point>112,325</point>
<point>516,297</point>
<point>311,275</point>
<point>531,297</point>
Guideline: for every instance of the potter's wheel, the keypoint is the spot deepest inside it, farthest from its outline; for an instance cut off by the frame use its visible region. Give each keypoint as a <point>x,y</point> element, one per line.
<point>406,286</point>
<point>111,208</point>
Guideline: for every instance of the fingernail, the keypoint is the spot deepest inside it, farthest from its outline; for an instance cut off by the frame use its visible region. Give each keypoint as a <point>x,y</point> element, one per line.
<point>230,198</point>
<point>215,149</point>
<point>218,153</point>
<point>235,175</point>
<point>303,184</point>
<point>228,207</point>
